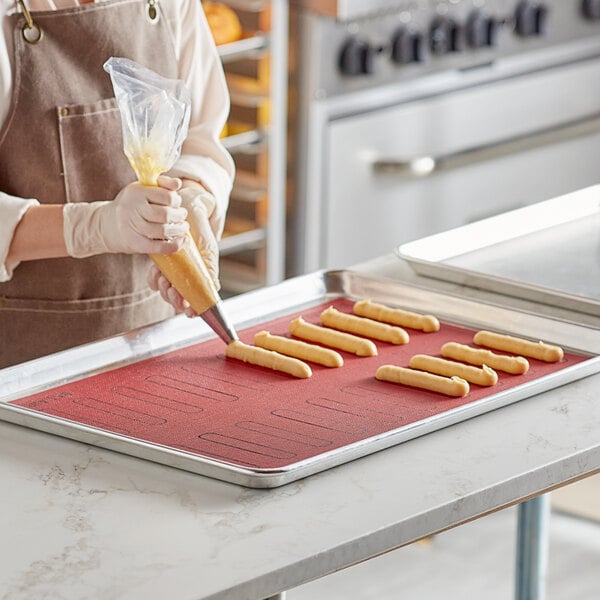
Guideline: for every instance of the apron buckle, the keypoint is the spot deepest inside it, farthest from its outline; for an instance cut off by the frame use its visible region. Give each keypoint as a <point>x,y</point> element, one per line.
<point>31,32</point>
<point>152,10</point>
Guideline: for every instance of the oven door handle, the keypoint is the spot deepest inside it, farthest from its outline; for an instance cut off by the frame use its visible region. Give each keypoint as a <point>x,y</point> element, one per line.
<point>422,166</point>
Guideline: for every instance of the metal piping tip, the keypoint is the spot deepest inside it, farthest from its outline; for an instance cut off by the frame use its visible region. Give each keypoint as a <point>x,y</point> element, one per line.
<point>219,323</point>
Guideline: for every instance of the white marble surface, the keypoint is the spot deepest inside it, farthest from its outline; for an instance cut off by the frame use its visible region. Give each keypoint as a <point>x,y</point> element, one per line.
<point>80,522</point>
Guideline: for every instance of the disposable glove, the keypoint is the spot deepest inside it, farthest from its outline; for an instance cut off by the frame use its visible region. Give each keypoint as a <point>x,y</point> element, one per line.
<point>200,204</point>
<point>140,220</point>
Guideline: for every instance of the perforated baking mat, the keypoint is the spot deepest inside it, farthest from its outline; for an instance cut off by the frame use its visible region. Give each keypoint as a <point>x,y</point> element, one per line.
<point>196,409</point>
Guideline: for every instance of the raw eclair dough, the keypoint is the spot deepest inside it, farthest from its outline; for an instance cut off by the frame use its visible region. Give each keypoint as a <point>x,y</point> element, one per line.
<point>267,358</point>
<point>450,368</point>
<point>396,316</point>
<point>507,343</point>
<point>298,349</point>
<point>516,365</point>
<point>330,337</point>
<point>332,317</point>
<point>450,386</point>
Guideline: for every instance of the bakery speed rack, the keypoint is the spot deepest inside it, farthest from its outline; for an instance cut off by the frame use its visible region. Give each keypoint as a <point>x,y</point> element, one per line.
<point>256,68</point>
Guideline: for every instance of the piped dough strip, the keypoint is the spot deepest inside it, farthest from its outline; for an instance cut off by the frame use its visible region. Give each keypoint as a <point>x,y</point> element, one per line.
<point>396,316</point>
<point>449,368</point>
<point>299,349</point>
<point>515,365</point>
<point>514,345</point>
<point>267,358</point>
<point>333,338</point>
<point>449,386</point>
<point>332,317</point>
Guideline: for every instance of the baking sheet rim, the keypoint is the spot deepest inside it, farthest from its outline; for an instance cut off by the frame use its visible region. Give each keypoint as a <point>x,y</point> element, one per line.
<point>275,477</point>
<point>278,476</point>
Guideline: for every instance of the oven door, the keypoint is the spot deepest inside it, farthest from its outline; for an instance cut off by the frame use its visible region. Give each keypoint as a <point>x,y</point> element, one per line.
<point>403,172</point>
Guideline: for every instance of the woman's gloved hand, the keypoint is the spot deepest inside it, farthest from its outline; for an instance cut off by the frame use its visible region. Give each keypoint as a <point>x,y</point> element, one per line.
<point>199,205</point>
<point>158,282</point>
<point>140,220</point>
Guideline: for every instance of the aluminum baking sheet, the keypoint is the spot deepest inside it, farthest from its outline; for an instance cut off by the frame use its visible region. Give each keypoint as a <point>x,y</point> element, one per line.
<point>165,394</point>
<point>548,252</point>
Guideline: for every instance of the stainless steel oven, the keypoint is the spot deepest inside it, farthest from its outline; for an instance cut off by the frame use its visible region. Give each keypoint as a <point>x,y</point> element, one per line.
<point>414,117</point>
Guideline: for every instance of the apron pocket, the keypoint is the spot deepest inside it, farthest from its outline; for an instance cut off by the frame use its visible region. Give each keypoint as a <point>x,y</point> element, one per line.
<point>91,146</point>
<point>106,303</point>
<point>33,328</point>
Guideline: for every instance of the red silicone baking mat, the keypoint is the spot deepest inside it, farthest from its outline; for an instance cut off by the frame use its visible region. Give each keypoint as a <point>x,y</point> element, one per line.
<point>196,400</point>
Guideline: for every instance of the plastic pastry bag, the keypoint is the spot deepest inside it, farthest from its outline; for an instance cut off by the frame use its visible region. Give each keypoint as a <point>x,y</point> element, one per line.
<point>155,115</point>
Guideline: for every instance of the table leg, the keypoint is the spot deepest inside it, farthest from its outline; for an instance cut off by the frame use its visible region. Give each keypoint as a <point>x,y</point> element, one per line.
<point>532,548</point>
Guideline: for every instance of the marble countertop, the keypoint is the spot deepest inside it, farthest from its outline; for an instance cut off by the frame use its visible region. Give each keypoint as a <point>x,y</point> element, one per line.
<point>82,522</point>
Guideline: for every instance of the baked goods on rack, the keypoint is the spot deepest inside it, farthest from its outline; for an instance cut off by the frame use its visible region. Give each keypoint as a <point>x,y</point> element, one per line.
<point>395,316</point>
<point>299,349</point>
<point>449,386</point>
<point>335,319</point>
<point>332,338</point>
<point>449,368</point>
<point>267,358</point>
<point>223,22</point>
<point>515,365</point>
<point>519,346</point>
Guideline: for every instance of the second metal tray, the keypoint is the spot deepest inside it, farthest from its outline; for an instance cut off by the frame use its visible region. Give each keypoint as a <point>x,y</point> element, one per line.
<point>548,252</point>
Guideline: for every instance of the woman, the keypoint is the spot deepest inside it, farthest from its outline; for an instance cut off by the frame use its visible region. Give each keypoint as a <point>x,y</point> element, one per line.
<point>75,228</point>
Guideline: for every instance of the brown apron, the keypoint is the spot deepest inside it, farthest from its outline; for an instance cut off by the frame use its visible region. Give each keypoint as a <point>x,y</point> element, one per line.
<point>62,142</point>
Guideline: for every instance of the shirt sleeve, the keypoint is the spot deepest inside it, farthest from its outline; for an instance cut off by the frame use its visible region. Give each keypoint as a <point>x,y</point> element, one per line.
<point>12,210</point>
<point>203,156</point>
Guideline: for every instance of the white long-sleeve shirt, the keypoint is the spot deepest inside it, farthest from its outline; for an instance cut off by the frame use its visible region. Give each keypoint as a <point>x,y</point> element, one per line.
<point>203,157</point>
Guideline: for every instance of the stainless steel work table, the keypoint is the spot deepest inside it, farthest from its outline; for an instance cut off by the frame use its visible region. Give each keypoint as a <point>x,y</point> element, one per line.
<point>82,522</point>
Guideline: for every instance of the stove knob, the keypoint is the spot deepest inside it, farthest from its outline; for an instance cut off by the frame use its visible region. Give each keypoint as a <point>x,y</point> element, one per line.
<point>407,46</point>
<point>531,18</point>
<point>591,9</point>
<point>357,58</point>
<point>482,30</point>
<point>445,35</point>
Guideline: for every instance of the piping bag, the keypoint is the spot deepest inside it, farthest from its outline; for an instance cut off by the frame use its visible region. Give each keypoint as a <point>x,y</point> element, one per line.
<point>155,116</point>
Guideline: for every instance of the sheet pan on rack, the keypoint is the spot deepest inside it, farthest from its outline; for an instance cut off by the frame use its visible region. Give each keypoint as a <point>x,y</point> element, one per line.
<point>167,393</point>
<point>548,252</point>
